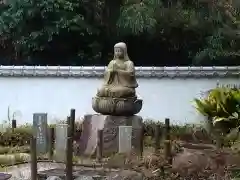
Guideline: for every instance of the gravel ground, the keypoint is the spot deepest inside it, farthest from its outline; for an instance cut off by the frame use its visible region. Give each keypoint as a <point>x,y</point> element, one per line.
<point>23,171</point>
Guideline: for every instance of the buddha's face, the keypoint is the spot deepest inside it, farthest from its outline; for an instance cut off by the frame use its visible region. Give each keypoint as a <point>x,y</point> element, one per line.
<point>118,53</point>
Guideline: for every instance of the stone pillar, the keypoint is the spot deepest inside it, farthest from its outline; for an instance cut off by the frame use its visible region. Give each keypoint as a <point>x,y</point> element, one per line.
<point>110,125</point>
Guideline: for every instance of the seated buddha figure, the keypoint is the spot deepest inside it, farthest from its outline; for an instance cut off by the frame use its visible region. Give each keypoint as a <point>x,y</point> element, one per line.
<point>119,77</point>
<point>118,89</point>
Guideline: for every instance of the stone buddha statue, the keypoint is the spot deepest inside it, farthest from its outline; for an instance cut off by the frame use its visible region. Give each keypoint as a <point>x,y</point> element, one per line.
<point>117,96</point>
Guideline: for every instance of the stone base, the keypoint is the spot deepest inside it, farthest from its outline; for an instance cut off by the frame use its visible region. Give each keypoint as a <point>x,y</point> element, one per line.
<point>110,125</point>
<point>116,106</point>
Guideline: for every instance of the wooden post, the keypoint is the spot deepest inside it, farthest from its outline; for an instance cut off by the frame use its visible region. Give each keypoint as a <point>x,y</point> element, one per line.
<point>167,143</point>
<point>72,122</point>
<point>69,159</point>
<point>69,150</point>
<point>100,145</point>
<point>167,129</point>
<point>68,120</point>
<point>33,159</point>
<point>167,151</point>
<point>157,137</point>
<point>14,124</point>
<point>141,141</point>
<point>51,142</point>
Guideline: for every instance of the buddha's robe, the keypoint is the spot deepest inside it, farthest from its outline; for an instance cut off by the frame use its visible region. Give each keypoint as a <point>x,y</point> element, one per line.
<point>119,80</point>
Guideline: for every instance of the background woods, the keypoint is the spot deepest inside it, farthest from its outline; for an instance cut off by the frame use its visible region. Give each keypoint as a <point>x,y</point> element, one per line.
<point>158,32</point>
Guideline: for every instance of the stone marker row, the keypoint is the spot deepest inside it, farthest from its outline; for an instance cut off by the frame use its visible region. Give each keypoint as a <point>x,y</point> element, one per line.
<point>40,126</point>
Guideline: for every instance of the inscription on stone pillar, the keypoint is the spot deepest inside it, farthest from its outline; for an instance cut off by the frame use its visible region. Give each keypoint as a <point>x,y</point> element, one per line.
<point>125,139</point>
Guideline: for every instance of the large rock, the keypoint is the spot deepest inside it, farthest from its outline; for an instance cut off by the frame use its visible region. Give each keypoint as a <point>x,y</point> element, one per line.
<point>110,124</point>
<point>199,160</point>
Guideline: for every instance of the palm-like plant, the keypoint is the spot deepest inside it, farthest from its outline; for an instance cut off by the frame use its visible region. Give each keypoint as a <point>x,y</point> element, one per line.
<point>222,106</point>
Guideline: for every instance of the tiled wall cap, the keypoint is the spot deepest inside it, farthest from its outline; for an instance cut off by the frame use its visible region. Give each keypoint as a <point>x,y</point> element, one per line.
<point>96,71</point>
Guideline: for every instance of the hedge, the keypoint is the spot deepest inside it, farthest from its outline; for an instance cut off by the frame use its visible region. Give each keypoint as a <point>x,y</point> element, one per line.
<point>21,136</point>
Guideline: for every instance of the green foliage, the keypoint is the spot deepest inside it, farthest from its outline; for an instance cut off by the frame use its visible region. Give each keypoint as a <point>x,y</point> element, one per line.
<point>20,137</point>
<point>8,160</point>
<point>33,25</point>
<point>223,42</point>
<point>187,132</point>
<point>222,106</point>
<point>138,17</point>
<point>19,140</point>
<point>15,149</point>
<point>206,32</point>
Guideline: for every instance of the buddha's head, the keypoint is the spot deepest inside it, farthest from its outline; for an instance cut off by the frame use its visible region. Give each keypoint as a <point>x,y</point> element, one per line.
<point>120,51</point>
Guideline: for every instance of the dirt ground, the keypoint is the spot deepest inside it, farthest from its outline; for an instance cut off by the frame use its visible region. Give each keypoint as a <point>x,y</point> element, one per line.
<point>187,159</point>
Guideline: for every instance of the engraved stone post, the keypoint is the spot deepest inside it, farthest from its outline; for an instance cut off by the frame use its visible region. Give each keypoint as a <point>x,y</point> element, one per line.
<point>61,142</point>
<point>125,139</point>
<point>41,132</point>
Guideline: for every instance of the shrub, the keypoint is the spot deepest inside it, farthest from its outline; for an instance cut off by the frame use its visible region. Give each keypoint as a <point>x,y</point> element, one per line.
<point>4,150</point>
<point>185,132</point>
<point>15,149</point>
<point>21,136</point>
<point>222,107</point>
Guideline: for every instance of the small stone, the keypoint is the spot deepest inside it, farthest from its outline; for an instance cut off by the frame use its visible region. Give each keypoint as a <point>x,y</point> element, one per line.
<point>84,178</point>
<point>125,175</point>
<point>5,176</point>
<point>97,177</point>
<point>54,178</point>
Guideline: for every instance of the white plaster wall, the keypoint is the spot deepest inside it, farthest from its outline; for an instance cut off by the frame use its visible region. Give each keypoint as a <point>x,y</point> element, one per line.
<point>163,98</point>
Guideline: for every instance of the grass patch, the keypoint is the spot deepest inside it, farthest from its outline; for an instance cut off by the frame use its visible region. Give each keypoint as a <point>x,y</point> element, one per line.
<point>16,158</point>
<point>15,149</point>
<point>11,159</point>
